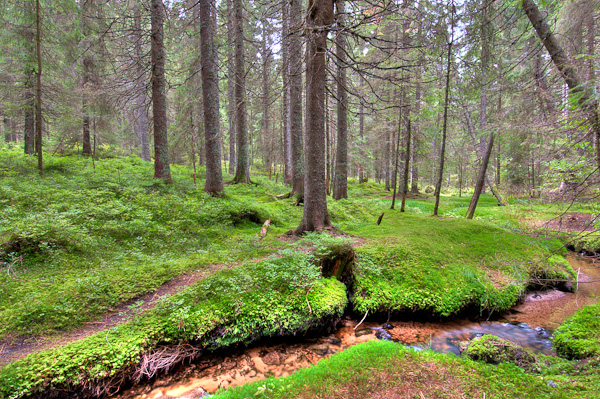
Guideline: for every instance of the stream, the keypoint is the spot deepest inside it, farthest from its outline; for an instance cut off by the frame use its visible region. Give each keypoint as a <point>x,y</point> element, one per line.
<point>529,324</point>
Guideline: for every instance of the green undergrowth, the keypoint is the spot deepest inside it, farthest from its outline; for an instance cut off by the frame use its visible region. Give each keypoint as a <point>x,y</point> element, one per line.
<point>413,262</point>
<point>89,236</point>
<point>278,296</point>
<point>579,336</point>
<point>386,369</point>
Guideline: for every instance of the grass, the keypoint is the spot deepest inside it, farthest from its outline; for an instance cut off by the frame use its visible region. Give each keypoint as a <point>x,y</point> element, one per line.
<point>382,369</point>
<point>78,242</point>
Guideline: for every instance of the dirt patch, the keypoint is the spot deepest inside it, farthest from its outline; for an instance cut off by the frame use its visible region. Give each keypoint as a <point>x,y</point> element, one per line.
<point>12,349</point>
<point>550,307</point>
<point>573,221</point>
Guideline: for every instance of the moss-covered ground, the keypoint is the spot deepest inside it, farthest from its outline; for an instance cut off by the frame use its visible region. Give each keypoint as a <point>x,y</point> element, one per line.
<point>88,237</point>
<point>382,369</point>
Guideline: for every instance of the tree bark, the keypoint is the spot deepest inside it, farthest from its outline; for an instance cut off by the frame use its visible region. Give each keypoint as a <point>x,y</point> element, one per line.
<point>296,112</point>
<point>340,183</point>
<point>210,97</point>
<point>585,99</point>
<point>316,216</point>
<point>481,178</point>
<point>38,91</point>
<point>162,169</point>
<point>242,172</point>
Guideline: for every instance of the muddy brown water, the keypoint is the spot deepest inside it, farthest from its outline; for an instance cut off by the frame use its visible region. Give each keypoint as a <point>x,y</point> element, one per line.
<point>529,324</point>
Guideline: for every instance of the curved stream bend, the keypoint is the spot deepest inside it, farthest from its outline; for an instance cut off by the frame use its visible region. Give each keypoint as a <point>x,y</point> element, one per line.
<point>529,324</point>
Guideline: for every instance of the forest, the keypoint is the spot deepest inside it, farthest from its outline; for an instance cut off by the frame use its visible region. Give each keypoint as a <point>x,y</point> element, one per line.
<point>287,199</point>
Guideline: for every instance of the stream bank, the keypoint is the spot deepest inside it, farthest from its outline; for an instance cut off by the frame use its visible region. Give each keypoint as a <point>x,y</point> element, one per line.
<point>530,323</point>
<point>287,295</point>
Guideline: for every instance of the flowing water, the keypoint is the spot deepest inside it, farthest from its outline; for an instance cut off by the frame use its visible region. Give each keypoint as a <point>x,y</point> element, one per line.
<point>529,324</point>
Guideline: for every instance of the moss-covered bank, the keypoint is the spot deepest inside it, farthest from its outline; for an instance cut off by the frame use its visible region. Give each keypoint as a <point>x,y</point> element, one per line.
<point>381,369</point>
<point>579,336</point>
<point>279,296</point>
<point>444,266</point>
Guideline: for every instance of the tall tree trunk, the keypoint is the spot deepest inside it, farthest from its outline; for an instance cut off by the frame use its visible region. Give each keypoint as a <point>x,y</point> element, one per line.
<point>88,67</point>
<point>210,97</point>
<point>481,177</point>
<point>29,75</point>
<point>140,115</point>
<point>242,172</point>
<point>285,78</point>
<point>406,164</point>
<point>38,91</point>
<point>7,130</point>
<point>591,46</point>
<point>340,184</point>
<point>361,134</point>
<point>316,216</point>
<point>416,132</point>
<point>387,160</point>
<point>162,169</point>
<point>266,133</point>
<point>296,123</point>
<point>396,159</point>
<point>485,33</point>
<point>231,106</point>
<point>438,186</point>
<point>585,98</point>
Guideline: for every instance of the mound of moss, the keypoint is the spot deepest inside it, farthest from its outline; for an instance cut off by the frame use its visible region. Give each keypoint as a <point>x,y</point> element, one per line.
<point>278,296</point>
<point>495,350</point>
<point>443,266</point>
<point>579,336</point>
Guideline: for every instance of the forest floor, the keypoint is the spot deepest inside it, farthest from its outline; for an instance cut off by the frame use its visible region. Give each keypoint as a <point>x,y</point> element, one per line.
<point>19,347</point>
<point>101,266</point>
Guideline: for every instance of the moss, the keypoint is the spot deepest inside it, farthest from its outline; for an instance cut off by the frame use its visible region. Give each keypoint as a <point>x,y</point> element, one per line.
<point>579,336</point>
<point>494,350</point>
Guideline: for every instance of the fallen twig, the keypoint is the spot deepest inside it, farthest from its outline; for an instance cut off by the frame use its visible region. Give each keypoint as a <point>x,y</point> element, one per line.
<point>363,319</point>
<point>265,228</point>
<point>308,303</point>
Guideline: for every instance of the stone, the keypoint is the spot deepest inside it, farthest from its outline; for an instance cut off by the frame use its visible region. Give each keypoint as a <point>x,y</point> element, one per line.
<point>364,331</point>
